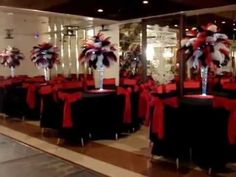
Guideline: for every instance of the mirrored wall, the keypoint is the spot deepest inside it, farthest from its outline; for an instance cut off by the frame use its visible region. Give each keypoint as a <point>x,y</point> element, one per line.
<point>162,43</point>
<point>162,37</point>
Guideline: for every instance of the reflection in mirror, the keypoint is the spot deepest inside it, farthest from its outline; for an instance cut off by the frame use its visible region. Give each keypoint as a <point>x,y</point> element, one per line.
<point>130,51</point>
<point>161,51</point>
<point>225,22</point>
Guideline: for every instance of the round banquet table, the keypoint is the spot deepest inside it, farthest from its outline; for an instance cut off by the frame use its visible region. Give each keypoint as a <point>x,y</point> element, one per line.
<point>197,126</point>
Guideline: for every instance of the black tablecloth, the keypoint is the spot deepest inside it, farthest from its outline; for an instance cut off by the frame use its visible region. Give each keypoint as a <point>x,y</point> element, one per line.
<point>195,125</point>
<point>95,114</point>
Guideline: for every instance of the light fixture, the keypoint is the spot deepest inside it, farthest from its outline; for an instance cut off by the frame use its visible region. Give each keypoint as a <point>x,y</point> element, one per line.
<point>10,13</point>
<point>9,33</point>
<point>145,2</point>
<point>100,10</point>
<point>233,24</point>
<point>175,25</point>
<point>223,22</point>
<point>177,65</point>
<point>69,30</point>
<point>186,29</point>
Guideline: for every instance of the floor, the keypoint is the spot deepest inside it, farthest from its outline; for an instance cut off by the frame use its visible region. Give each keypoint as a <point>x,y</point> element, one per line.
<point>129,156</point>
<point>20,160</point>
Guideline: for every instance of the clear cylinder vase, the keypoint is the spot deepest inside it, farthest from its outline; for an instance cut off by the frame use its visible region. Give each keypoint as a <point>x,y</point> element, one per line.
<point>12,71</point>
<point>101,76</point>
<point>46,74</point>
<point>204,76</point>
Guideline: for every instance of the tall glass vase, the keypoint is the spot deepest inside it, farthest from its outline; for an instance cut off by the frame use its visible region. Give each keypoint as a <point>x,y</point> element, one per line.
<point>101,76</point>
<point>12,71</point>
<point>204,75</point>
<point>46,74</point>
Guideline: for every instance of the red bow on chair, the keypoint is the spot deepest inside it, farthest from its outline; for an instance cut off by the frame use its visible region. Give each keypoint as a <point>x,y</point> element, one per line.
<point>230,105</point>
<point>31,95</point>
<point>158,117</point>
<point>128,108</point>
<point>144,99</point>
<point>68,98</point>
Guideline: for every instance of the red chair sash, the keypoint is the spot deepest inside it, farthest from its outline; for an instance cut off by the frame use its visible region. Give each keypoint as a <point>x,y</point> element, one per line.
<point>45,90</point>
<point>192,84</point>
<point>90,83</point>
<point>173,102</point>
<point>127,112</point>
<point>129,82</point>
<point>5,83</point>
<point>170,87</point>
<point>72,85</point>
<point>160,89</point>
<point>109,81</point>
<point>158,117</point>
<point>157,125</point>
<point>39,79</point>
<point>230,105</point>
<point>144,98</point>
<point>68,98</point>
<point>224,81</point>
<point>31,95</point>
<point>229,86</point>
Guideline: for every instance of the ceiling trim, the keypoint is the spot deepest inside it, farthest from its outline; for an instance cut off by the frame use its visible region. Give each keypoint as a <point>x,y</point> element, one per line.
<point>53,14</point>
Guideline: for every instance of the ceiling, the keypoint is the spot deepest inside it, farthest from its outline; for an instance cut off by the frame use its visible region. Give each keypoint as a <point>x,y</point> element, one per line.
<point>115,9</point>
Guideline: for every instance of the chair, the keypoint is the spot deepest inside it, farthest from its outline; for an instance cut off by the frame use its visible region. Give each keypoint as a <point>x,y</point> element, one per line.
<point>206,133</point>
<point>104,114</point>
<point>192,86</point>
<point>109,83</point>
<point>51,111</point>
<point>14,101</point>
<point>74,122</point>
<point>169,139</point>
<point>89,84</point>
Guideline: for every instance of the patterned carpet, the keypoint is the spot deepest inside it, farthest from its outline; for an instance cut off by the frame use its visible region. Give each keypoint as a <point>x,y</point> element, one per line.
<point>20,160</point>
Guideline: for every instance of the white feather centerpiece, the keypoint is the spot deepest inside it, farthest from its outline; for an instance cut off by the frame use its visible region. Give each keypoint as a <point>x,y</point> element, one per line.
<point>45,56</point>
<point>208,48</point>
<point>98,53</point>
<point>11,57</point>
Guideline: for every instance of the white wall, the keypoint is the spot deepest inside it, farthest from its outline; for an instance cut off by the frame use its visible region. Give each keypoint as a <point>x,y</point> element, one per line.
<point>24,27</point>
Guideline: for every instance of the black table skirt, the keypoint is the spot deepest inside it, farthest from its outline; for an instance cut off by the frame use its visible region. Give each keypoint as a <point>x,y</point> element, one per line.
<point>195,125</point>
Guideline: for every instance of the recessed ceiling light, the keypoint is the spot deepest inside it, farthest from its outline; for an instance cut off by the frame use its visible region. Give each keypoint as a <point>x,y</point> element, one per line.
<point>233,24</point>
<point>10,13</point>
<point>186,29</point>
<point>175,25</point>
<point>145,2</point>
<point>90,18</point>
<point>234,29</point>
<point>100,10</point>
<point>223,22</point>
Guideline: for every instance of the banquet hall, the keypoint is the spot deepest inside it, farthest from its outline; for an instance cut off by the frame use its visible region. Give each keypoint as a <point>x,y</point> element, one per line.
<point>138,88</point>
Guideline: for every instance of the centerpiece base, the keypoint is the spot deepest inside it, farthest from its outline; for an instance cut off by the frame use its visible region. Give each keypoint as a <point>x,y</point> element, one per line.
<point>101,90</point>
